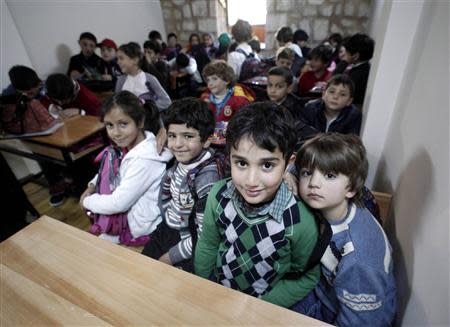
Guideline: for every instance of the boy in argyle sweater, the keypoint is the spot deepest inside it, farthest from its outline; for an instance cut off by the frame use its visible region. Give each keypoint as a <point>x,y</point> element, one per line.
<point>255,231</point>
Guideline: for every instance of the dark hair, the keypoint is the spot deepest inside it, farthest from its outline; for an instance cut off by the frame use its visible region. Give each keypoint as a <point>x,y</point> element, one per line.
<point>241,31</point>
<point>192,112</point>
<point>154,35</point>
<point>285,34</point>
<point>88,36</point>
<point>23,78</point>
<point>152,45</point>
<point>282,71</point>
<point>335,37</point>
<point>337,153</point>
<point>286,53</point>
<point>267,124</point>
<point>182,60</point>
<point>362,44</point>
<point>323,53</point>
<point>60,87</point>
<point>132,106</point>
<point>300,35</point>
<point>172,35</point>
<point>255,45</point>
<point>132,50</point>
<point>221,69</point>
<point>192,36</point>
<point>342,79</point>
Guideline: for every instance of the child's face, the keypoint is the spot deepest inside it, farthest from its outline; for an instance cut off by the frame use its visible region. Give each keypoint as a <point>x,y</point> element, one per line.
<point>172,42</point>
<point>336,97</point>
<point>257,173</point>
<point>185,142</point>
<point>108,54</point>
<point>150,55</point>
<point>87,47</point>
<point>343,53</point>
<point>207,40</point>
<point>283,62</point>
<point>325,191</point>
<point>127,64</point>
<point>216,85</point>
<point>317,65</point>
<point>122,129</point>
<point>277,88</point>
<point>195,40</point>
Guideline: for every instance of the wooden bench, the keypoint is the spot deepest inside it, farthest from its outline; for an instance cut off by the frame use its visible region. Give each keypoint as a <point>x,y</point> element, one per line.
<point>384,202</point>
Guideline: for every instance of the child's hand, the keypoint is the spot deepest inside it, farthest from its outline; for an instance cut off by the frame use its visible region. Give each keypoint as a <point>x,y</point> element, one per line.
<point>70,112</point>
<point>161,139</point>
<point>165,258</point>
<point>291,182</point>
<point>89,191</point>
<point>106,77</point>
<point>75,74</point>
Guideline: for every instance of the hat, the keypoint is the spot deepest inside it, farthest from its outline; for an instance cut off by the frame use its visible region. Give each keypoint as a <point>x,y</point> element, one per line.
<point>224,39</point>
<point>107,43</point>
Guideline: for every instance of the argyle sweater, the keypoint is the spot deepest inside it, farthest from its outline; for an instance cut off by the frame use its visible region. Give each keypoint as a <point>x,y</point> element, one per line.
<point>253,254</point>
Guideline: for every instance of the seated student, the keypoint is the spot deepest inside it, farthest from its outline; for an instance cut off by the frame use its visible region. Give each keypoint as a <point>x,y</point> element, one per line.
<point>357,287</point>
<point>141,84</point>
<point>319,59</point>
<point>255,231</point>
<point>134,187</point>
<point>154,35</point>
<point>186,185</point>
<point>194,40</point>
<point>279,88</point>
<point>224,42</point>
<point>285,38</point>
<point>242,34</point>
<point>23,112</point>
<point>85,64</point>
<point>172,49</point>
<point>208,44</point>
<point>223,96</point>
<point>285,57</point>
<point>334,112</point>
<point>109,68</point>
<point>66,97</point>
<point>359,50</point>
<point>301,39</point>
<point>154,65</point>
<point>185,67</point>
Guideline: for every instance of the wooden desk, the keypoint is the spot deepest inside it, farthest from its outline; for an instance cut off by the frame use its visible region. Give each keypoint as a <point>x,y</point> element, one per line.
<point>56,147</point>
<point>54,274</point>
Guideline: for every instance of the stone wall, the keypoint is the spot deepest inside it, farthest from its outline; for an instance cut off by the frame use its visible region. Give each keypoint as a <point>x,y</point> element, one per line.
<point>319,18</point>
<point>184,17</point>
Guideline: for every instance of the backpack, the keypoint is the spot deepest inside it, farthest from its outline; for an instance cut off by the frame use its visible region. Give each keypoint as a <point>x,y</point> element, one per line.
<point>114,224</point>
<point>251,67</point>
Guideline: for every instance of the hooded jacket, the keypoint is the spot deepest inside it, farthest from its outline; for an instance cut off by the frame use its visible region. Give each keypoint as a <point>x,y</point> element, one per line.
<point>140,175</point>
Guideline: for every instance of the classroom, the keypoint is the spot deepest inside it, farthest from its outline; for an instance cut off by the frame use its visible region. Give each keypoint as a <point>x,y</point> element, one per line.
<point>407,147</point>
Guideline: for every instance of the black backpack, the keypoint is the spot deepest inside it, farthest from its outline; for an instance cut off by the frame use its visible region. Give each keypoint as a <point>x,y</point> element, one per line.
<point>251,67</point>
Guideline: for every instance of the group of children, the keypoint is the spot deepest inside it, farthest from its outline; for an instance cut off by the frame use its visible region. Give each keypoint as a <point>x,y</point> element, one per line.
<point>243,189</point>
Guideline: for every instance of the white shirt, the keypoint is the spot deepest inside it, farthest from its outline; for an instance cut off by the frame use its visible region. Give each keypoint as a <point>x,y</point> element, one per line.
<point>236,59</point>
<point>136,84</point>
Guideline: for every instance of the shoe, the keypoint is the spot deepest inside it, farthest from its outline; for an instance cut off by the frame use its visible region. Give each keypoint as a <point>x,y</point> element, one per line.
<point>56,200</point>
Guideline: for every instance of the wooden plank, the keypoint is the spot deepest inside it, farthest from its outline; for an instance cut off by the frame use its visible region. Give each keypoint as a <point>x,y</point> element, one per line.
<point>384,202</point>
<point>61,267</point>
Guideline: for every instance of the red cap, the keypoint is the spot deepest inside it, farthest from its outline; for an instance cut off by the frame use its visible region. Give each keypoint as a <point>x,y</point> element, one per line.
<point>107,43</point>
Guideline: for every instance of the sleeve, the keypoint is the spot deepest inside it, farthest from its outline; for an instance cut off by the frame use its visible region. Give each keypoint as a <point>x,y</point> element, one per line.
<point>208,243</point>
<point>355,123</point>
<point>135,181</point>
<point>204,182</point>
<point>162,98</point>
<point>120,81</point>
<point>361,292</point>
<point>43,117</point>
<point>288,292</point>
<point>192,67</point>
<point>234,62</point>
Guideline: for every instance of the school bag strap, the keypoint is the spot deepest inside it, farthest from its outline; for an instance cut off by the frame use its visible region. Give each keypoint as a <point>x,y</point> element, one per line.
<point>325,234</point>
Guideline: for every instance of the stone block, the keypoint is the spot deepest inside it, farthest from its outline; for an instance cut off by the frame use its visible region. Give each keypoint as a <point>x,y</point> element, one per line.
<point>326,10</point>
<point>320,28</point>
<point>207,25</point>
<point>316,2</point>
<point>336,29</point>
<point>275,21</point>
<point>347,22</point>
<point>285,5</point>
<point>178,2</point>
<point>349,8</point>
<point>338,9</point>
<point>364,9</point>
<point>308,10</point>
<point>189,25</point>
<point>213,8</point>
<point>187,11</point>
<point>200,8</point>
<point>177,14</point>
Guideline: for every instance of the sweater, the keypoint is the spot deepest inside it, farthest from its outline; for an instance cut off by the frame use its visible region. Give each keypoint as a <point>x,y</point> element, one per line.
<point>140,175</point>
<point>358,282</point>
<point>253,254</point>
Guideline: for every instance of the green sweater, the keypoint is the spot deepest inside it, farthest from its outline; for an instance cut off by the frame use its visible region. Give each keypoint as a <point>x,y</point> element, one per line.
<point>252,255</point>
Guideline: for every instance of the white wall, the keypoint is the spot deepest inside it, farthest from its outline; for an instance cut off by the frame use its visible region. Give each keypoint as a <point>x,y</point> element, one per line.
<point>50,29</point>
<point>406,133</point>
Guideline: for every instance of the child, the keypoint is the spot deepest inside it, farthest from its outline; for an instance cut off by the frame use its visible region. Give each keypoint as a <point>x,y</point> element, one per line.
<point>66,97</point>
<point>172,49</point>
<point>185,77</point>
<point>242,33</point>
<point>209,46</point>
<point>301,39</point>
<point>134,188</point>
<point>319,59</point>
<point>85,64</point>
<point>285,57</point>
<point>255,231</point>
<point>334,112</point>
<point>357,287</point>
<point>279,86</point>
<point>141,84</point>
<point>223,96</point>
<point>186,185</point>
<point>154,65</point>
<point>359,50</point>
<point>109,68</point>
<point>285,38</point>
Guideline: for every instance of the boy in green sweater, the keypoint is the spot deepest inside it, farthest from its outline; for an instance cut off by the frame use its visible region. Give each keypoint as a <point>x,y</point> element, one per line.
<point>255,232</point>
